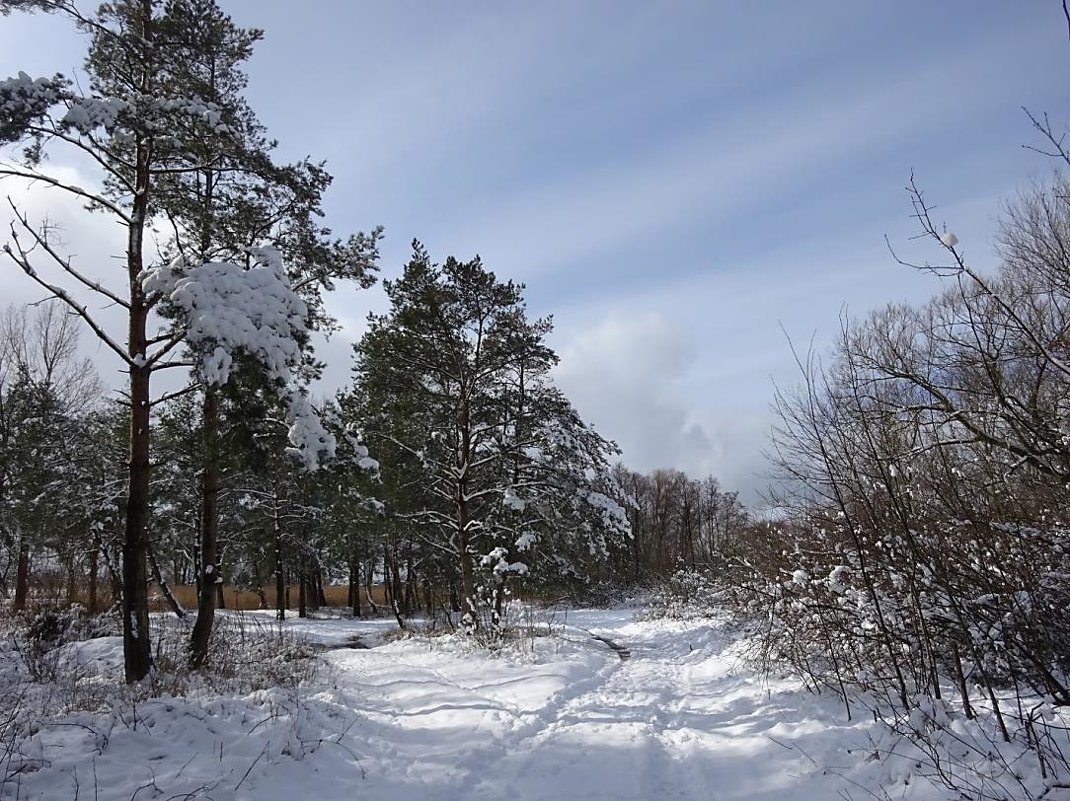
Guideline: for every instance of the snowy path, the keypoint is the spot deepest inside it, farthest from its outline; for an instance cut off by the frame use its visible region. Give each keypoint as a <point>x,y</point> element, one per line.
<point>677,720</point>
<point>435,719</point>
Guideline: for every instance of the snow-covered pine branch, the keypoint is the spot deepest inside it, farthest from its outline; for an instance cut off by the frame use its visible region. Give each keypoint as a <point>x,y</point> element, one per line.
<point>229,310</point>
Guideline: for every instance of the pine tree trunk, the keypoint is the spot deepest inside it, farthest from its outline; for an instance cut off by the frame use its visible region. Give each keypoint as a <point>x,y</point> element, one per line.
<point>499,597</point>
<point>469,602</point>
<point>302,600</point>
<point>137,652</point>
<point>468,584</point>
<point>209,589</point>
<point>412,599</point>
<point>176,607</point>
<point>280,580</point>
<point>354,586</point>
<point>94,577</point>
<point>22,576</point>
<point>197,561</point>
<point>72,589</point>
<point>429,597</point>
<point>258,576</point>
<point>397,592</point>
<point>369,577</point>
<point>114,575</point>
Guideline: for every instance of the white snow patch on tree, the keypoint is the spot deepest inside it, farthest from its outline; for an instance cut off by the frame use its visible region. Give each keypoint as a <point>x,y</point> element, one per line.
<point>228,309</point>
<point>497,560</point>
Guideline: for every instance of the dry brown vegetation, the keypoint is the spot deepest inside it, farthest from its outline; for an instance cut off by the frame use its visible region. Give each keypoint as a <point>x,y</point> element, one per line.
<point>238,598</point>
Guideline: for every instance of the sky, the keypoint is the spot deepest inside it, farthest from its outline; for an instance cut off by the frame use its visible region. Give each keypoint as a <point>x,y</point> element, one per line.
<point>687,187</point>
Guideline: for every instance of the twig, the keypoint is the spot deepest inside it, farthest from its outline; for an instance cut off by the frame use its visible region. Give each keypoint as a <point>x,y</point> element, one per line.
<point>253,765</point>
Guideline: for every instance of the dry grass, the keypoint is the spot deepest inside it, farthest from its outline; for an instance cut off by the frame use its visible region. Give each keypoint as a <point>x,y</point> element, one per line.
<point>235,598</point>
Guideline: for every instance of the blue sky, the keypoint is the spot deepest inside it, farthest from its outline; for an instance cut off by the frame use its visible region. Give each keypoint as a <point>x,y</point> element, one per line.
<point>674,181</point>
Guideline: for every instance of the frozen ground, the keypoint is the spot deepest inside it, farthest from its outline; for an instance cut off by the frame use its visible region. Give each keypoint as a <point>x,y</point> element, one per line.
<point>435,719</point>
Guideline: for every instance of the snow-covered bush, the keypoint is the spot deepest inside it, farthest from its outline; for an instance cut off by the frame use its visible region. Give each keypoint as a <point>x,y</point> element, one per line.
<point>921,564</point>
<point>40,637</point>
<point>689,593</point>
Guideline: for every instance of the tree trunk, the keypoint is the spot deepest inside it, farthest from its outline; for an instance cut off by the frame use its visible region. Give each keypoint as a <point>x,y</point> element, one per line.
<point>137,652</point>
<point>94,576</point>
<point>412,597</point>
<point>197,561</point>
<point>176,607</point>
<point>960,678</point>
<point>468,584</point>
<point>72,587</point>
<point>469,602</point>
<point>114,574</point>
<point>397,591</point>
<point>499,597</point>
<point>302,599</point>
<point>258,577</point>
<point>280,580</point>
<point>354,586</point>
<point>429,597</point>
<point>210,578</point>
<point>22,576</point>
<point>369,577</point>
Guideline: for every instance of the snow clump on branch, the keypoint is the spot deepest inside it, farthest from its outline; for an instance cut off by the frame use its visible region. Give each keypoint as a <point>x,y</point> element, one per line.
<point>225,309</point>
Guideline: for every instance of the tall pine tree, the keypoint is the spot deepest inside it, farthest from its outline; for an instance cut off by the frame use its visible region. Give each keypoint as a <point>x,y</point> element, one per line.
<point>489,461</point>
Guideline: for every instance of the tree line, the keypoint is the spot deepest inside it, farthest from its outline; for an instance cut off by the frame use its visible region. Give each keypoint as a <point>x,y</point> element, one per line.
<point>385,528</point>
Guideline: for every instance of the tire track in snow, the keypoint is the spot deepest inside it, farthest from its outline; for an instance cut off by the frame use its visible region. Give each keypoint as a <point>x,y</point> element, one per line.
<point>418,706</point>
<point>608,742</point>
<point>678,720</point>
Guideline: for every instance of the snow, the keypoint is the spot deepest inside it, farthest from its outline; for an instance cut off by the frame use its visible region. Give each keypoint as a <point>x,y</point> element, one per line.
<point>500,565</point>
<point>226,308</point>
<point>526,540</point>
<point>513,501</point>
<point>543,719</point>
<point>232,308</point>
<point>948,239</point>
<point>23,96</point>
<point>86,114</point>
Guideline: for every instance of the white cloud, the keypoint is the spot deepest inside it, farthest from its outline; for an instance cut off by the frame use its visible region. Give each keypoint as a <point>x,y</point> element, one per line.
<point>681,373</point>
<point>624,373</point>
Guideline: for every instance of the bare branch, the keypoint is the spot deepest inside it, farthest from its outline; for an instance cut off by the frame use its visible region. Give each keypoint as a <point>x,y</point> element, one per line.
<point>21,258</point>
<point>77,191</point>
<point>176,394</point>
<point>65,264</point>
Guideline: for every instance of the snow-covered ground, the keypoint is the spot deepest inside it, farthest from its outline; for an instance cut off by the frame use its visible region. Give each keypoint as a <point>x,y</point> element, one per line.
<point>562,717</point>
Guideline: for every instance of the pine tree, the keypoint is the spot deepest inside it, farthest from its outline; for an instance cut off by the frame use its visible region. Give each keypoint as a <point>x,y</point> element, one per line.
<point>479,447</point>
<point>163,120</point>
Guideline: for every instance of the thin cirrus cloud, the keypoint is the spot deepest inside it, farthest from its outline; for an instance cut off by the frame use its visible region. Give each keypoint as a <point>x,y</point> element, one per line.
<point>723,172</point>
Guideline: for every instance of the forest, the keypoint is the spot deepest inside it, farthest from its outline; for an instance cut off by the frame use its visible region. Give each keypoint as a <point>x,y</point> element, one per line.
<point>911,559</point>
